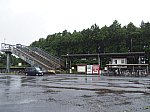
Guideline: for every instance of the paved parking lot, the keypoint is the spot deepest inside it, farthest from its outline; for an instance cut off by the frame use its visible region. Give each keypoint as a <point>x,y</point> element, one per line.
<point>74,93</point>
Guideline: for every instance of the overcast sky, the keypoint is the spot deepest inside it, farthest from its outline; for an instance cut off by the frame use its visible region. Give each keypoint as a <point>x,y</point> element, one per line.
<point>24,21</point>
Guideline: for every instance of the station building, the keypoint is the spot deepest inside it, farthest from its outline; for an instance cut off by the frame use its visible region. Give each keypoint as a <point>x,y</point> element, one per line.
<point>127,64</point>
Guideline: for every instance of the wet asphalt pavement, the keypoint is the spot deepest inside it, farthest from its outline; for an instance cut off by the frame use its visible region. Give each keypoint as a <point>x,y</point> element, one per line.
<point>74,93</point>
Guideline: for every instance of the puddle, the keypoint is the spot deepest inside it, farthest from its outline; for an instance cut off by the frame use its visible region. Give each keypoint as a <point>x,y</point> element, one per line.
<point>26,101</point>
<point>148,87</point>
<point>5,77</point>
<point>86,96</point>
<point>146,108</point>
<point>105,91</point>
<point>51,91</point>
<point>50,100</point>
<point>135,81</point>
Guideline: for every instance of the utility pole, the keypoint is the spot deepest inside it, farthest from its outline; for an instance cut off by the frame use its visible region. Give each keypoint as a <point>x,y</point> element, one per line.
<point>99,60</point>
<point>131,45</point>
<point>67,63</point>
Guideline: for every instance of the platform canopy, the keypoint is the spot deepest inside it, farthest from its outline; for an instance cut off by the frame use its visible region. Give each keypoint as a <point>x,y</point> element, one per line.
<point>126,54</point>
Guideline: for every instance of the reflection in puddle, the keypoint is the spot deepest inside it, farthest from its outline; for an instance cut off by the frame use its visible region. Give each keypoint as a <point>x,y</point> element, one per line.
<point>25,101</point>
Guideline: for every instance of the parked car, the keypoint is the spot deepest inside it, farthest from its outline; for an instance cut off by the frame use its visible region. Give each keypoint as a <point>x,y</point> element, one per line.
<point>33,71</point>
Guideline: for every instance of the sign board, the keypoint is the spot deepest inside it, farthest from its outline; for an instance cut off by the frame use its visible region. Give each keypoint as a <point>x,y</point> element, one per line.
<point>81,68</point>
<point>89,69</point>
<point>96,69</point>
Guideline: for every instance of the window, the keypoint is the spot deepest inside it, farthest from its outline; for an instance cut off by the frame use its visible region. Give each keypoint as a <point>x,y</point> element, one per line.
<point>122,61</point>
<point>115,61</point>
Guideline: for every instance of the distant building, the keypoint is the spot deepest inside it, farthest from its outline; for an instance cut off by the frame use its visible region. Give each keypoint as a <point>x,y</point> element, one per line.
<point>120,66</point>
<point>128,64</point>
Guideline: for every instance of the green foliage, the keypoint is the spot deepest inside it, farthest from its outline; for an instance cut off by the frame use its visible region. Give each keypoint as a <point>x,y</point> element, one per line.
<point>112,39</point>
<point>2,60</point>
<point>13,61</point>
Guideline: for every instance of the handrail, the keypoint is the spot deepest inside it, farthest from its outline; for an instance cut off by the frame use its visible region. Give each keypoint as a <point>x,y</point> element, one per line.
<point>55,62</point>
<point>47,55</point>
<point>44,53</point>
<point>34,55</point>
<point>33,58</point>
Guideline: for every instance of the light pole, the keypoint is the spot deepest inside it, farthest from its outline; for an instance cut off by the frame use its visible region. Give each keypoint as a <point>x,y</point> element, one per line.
<point>131,45</point>
<point>66,63</point>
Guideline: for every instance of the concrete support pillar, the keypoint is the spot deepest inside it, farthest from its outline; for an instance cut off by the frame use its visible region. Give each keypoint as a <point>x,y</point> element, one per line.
<point>147,70</point>
<point>8,62</point>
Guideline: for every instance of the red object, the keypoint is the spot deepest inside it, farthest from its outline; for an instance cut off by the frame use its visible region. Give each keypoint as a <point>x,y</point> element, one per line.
<point>96,69</point>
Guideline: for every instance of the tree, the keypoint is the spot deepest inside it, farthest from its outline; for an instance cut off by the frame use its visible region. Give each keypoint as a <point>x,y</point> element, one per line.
<point>113,38</point>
